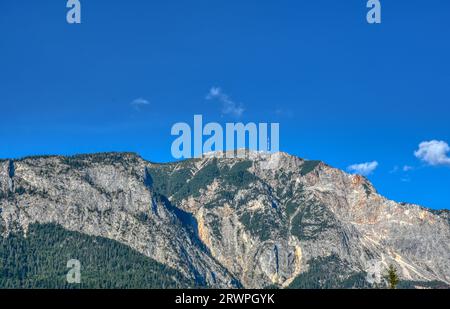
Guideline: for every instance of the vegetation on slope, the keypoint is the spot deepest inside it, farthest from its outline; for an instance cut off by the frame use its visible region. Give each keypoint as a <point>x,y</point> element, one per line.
<point>328,273</point>
<point>39,260</point>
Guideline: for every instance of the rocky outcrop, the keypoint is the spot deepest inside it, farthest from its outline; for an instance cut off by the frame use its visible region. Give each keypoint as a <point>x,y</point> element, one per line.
<point>254,222</point>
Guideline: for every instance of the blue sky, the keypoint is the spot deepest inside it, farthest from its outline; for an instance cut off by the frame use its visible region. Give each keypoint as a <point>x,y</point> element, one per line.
<point>343,91</point>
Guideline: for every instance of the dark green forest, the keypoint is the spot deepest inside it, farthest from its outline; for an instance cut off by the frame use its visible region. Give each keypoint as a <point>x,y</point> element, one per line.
<point>39,260</point>
<point>323,273</point>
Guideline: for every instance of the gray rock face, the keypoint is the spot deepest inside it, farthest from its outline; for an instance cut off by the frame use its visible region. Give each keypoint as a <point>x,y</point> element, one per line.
<point>253,222</point>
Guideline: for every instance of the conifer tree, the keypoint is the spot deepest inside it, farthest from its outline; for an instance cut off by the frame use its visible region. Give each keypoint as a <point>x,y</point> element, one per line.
<point>392,277</point>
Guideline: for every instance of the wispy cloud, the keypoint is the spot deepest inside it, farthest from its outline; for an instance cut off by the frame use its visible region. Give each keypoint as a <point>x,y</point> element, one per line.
<point>403,171</point>
<point>229,107</point>
<point>364,169</point>
<point>407,168</point>
<point>139,103</point>
<point>394,170</point>
<point>433,152</point>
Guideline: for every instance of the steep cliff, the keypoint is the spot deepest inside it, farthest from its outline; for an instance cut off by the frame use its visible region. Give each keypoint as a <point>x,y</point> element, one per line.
<point>263,220</point>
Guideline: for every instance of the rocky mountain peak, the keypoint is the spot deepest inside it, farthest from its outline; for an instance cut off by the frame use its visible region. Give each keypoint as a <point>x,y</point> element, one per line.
<point>254,221</point>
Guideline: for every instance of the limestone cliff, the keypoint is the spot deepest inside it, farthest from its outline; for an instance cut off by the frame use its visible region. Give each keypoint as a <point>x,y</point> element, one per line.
<point>258,221</point>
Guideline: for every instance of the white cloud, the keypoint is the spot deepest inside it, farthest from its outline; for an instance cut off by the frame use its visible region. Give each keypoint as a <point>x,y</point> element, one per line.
<point>407,168</point>
<point>139,102</point>
<point>433,152</point>
<point>364,169</point>
<point>229,107</point>
<point>213,92</point>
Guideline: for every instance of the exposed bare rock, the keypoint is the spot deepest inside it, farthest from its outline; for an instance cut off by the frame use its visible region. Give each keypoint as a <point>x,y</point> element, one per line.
<point>257,221</point>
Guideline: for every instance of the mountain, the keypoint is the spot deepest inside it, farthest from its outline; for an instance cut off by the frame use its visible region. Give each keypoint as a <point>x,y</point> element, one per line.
<point>253,221</point>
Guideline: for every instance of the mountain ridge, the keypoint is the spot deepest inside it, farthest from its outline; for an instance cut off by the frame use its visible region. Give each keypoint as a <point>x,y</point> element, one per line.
<point>254,221</point>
